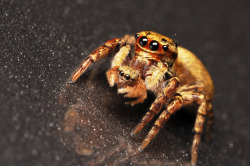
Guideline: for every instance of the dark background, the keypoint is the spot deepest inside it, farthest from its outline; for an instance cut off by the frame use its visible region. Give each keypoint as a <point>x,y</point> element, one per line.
<point>42,42</point>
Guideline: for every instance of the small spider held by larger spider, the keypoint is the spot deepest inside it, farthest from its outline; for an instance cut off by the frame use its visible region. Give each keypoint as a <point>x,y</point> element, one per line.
<point>174,74</point>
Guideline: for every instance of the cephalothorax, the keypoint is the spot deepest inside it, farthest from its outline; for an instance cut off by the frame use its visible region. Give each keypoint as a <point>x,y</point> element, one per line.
<point>174,74</point>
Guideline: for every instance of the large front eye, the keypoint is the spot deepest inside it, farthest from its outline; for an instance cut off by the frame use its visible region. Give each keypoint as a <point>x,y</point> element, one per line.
<point>153,45</point>
<point>143,41</point>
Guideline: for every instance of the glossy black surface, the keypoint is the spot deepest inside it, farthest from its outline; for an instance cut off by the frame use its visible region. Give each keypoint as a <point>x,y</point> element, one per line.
<point>42,42</point>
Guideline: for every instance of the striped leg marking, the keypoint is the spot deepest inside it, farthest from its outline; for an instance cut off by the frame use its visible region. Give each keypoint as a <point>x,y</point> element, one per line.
<point>169,88</point>
<point>154,110</point>
<point>199,122</point>
<point>210,120</point>
<point>160,122</point>
<point>100,53</point>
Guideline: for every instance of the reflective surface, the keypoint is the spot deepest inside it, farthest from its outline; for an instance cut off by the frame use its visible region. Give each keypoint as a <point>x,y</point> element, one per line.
<point>45,121</point>
<point>97,124</point>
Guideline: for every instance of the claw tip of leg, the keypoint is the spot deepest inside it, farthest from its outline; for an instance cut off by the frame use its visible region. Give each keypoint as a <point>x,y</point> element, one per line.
<point>70,81</point>
<point>140,149</point>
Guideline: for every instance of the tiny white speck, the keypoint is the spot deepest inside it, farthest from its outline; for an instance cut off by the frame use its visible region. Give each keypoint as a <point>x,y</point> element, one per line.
<point>224,116</point>
<point>34,152</point>
<point>57,158</point>
<point>25,135</point>
<point>231,144</point>
<point>17,127</point>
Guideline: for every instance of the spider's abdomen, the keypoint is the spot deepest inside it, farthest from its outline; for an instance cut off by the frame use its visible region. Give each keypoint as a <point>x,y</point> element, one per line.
<point>190,70</point>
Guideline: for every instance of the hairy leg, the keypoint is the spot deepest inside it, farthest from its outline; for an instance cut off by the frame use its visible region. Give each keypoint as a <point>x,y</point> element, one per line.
<point>198,129</point>
<point>175,105</point>
<point>199,98</point>
<point>100,53</point>
<point>122,57</point>
<point>209,124</point>
<point>169,88</point>
<point>154,110</point>
<point>130,39</point>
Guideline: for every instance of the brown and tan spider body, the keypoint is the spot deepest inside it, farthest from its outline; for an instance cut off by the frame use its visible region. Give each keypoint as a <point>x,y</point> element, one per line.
<point>175,75</point>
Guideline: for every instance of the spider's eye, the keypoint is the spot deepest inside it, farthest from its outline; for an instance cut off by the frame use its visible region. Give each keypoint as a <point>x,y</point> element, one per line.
<point>143,41</point>
<point>127,77</point>
<point>121,73</point>
<point>137,36</point>
<point>176,44</point>
<point>165,47</point>
<point>153,45</point>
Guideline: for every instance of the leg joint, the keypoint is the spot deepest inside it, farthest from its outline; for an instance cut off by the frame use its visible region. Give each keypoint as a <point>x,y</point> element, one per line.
<point>202,114</point>
<point>177,96</point>
<point>198,132</point>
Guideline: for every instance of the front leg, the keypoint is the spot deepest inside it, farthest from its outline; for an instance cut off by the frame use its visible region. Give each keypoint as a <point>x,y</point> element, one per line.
<point>173,106</point>
<point>120,58</point>
<point>169,88</point>
<point>100,53</point>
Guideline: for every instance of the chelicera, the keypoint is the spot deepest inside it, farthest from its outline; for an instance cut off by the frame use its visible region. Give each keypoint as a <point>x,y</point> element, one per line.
<point>174,74</point>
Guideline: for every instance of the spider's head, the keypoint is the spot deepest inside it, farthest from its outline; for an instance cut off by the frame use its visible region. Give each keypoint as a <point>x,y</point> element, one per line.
<point>127,74</point>
<point>157,47</point>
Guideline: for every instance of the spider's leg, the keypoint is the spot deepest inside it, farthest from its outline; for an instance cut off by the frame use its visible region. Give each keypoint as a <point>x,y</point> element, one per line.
<point>100,53</point>
<point>160,122</point>
<point>154,110</point>
<point>169,88</point>
<point>198,88</point>
<point>198,128</point>
<point>210,116</point>
<point>199,98</point>
<point>120,58</point>
<point>130,39</point>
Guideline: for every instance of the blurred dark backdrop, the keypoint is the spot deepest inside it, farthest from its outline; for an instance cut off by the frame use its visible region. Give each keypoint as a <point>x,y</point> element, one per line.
<point>42,42</point>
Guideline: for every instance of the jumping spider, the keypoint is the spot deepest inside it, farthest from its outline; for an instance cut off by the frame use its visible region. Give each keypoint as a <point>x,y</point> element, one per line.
<point>174,74</point>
